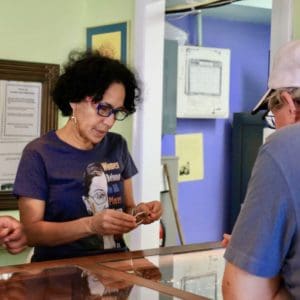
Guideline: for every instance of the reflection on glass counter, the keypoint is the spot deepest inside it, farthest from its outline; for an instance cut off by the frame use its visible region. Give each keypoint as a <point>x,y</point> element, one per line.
<point>198,272</point>
<point>70,283</point>
<point>185,272</point>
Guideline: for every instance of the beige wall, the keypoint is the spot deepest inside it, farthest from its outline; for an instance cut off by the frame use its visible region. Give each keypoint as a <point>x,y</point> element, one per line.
<point>45,31</point>
<point>41,31</point>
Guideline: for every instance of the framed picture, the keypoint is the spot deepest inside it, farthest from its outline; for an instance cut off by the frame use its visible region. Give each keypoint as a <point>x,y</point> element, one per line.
<point>110,40</point>
<point>26,112</point>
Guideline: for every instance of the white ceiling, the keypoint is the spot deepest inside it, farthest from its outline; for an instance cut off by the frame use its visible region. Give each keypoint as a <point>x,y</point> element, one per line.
<point>256,11</point>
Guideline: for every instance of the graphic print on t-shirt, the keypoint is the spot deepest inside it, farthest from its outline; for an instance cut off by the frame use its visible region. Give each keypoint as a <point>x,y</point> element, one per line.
<point>96,196</point>
<point>113,176</point>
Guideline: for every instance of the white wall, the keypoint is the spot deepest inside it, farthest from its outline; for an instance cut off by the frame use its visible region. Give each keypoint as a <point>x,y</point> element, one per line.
<point>148,60</point>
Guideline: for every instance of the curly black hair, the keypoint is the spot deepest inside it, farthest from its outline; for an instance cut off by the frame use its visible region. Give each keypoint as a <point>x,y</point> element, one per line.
<point>89,73</point>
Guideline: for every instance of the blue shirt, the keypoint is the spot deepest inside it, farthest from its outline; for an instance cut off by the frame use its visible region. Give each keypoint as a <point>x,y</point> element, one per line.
<point>266,237</point>
<point>55,172</point>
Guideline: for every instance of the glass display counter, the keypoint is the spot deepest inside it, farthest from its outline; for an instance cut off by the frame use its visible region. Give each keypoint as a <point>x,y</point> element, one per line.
<point>185,272</point>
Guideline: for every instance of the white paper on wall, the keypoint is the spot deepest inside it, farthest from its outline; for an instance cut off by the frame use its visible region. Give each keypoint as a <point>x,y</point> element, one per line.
<point>203,82</point>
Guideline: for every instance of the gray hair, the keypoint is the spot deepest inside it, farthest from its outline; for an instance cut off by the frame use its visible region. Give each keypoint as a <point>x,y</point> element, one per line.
<point>275,101</point>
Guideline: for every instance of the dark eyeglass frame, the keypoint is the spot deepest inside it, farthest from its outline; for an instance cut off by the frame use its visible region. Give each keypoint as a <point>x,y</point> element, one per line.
<point>106,110</point>
<point>270,119</point>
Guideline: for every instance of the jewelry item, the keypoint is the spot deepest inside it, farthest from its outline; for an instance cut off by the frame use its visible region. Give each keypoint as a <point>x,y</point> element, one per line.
<point>74,119</point>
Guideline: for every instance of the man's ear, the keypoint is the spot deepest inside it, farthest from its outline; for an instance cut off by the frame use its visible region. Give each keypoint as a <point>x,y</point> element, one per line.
<point>287,98</point>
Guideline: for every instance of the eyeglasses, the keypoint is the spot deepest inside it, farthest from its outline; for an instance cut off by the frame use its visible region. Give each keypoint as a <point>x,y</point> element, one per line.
<point>270,120</point>
<point>105,110</point>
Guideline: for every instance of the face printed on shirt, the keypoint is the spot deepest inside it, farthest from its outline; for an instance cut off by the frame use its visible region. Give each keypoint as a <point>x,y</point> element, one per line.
<point>98,192</point>
<point>95,181</point>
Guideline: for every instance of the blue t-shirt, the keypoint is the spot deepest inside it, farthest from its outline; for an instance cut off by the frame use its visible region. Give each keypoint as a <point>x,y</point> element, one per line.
<point>266,238</point>
<point>75,183</point>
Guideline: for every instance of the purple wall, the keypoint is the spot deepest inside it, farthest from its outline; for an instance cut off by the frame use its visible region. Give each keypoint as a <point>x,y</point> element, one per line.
<point>203,204</point>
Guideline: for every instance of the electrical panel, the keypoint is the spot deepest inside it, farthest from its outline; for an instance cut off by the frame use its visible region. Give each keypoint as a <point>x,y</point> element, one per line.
<point>203,77</point>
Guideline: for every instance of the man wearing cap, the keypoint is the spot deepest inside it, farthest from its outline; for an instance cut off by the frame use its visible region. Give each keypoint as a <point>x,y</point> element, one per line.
<point>263,256</point>
<point>283,96</point>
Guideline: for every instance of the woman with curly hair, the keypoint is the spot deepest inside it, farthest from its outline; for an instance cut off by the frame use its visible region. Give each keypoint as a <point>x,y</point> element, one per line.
<point>60,216</point>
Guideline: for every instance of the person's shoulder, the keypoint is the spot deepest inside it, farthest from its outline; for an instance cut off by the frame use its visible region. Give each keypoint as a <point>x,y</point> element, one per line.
<point>284,140</point>
<point>285,133</point>
<point>39,142</point>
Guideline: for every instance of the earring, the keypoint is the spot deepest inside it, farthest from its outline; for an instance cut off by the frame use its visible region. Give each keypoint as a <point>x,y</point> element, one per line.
<point>74,119</point>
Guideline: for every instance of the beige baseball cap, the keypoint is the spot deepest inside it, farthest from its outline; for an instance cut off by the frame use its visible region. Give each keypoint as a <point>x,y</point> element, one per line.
<point>285,72</point>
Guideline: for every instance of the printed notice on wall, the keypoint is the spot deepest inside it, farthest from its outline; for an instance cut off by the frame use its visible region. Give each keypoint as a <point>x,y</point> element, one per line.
<point>203,82</point>
<point>20,107</point>
<point>189,150</point>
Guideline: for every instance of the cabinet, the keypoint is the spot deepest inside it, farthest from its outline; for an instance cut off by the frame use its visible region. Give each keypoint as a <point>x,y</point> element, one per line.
<point>247,137</point>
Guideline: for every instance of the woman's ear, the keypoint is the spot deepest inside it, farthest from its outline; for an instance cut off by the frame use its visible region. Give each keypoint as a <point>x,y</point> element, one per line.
<point>74,108</point>
<point>73,105</point>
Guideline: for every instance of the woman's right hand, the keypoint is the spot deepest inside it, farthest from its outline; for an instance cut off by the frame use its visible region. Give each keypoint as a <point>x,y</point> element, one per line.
<point>110,222</point>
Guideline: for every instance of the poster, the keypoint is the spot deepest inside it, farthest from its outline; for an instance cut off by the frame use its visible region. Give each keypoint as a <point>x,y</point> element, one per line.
<point>109,40</point>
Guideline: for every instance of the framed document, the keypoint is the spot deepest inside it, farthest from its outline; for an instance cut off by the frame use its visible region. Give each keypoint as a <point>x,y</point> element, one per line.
<point>26,112</point>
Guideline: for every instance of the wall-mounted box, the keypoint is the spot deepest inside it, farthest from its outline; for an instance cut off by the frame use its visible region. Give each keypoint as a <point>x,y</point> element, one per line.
<point>203,77</point>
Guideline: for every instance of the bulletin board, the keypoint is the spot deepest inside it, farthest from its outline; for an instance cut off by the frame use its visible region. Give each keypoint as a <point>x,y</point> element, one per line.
<point>27,111</point>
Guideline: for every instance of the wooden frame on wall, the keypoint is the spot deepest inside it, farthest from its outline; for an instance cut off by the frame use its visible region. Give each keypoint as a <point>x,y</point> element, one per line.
<point>46,75</point>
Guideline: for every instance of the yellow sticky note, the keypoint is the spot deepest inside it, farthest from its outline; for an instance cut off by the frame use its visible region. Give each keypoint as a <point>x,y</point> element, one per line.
<point>189,150</point>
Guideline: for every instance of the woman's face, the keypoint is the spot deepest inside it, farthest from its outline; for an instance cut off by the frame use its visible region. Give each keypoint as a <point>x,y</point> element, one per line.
<point>91,128</point>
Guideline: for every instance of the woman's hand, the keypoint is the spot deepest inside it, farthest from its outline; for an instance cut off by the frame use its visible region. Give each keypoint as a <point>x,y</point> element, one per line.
<point>12,235</point>
<point>153,211</point>
<point>110,222</point>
